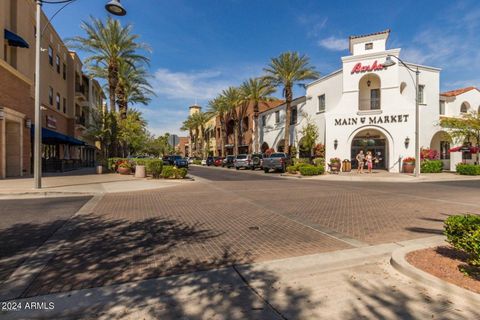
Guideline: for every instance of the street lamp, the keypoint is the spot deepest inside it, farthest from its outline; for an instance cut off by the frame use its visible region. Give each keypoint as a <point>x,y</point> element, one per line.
<point>115,8</point>
<point>388,63</point>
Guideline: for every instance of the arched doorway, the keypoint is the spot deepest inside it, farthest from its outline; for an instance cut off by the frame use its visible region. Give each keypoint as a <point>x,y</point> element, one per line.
<point>264,147</point>
<point>374,141</point>
<point>281,146</point>
<point>441,143</point>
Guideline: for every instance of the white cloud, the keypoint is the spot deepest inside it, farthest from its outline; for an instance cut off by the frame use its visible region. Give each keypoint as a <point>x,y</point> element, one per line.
<point>334,43</point>
<point>314,23</point>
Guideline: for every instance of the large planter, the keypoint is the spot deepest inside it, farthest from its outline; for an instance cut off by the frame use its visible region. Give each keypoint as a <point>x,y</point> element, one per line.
<point>140,172</point>
<point>124,170</point>
<point>408,167</point>
<point>335,166</point>
<point>99,169</point>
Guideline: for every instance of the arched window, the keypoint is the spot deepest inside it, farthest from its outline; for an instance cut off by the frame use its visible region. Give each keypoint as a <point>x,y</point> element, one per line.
<point>369,92</point>
<point>464,107</point>
<point>403,85</point>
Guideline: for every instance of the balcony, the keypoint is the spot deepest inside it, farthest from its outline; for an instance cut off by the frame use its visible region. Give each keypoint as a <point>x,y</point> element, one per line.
<point>81,92</point>
<point>80,121</point>
<point>369,104</point>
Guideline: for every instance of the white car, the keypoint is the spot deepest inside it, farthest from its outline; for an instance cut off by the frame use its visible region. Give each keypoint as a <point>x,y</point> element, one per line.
<point>204,162</point>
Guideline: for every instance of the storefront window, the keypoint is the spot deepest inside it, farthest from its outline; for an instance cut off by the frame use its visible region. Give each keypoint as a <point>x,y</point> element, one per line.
<point>444,147</point>
<point>442,107</point>
<point>421,95</point>
<point>321,103</point>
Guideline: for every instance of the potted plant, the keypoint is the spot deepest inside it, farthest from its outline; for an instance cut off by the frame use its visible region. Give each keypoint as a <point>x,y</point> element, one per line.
<point>408,165</point>
<point>124,167</point>
<point>335,164</point>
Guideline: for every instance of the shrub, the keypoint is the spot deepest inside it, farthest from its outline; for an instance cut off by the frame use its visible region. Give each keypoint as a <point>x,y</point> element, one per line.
<point>335,160</point>
<point>112,163</point>
<point>155,167</point>
<point>123,164</point>
<point>429,154</point>
<point>199,162</point>
<point>292,169</point>
<point>468,169</point>
<point>319,162</point>
<point>301,160</point>
<point>170,172</point>
<point>309,170</point>
<point>409,159</point>
<point>431,166</point>
<point>140,162</point>
<point>319,151</point>
<point>463,233</point>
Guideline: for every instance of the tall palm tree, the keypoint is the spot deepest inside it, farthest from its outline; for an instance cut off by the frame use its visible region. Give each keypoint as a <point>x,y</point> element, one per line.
<point>256,91</point>
<point>286,70</point>
<point>189,125</point>
<point>199,120</point>
<point>109,44</point>
<point>233,99</point>
<point>218,108</point>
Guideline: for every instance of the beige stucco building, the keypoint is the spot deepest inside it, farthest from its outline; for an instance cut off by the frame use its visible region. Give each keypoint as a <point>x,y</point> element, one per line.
<point>66,95</point>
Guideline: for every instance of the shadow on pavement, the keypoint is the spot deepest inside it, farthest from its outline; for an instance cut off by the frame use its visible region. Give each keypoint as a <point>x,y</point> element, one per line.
<point>99,252</point>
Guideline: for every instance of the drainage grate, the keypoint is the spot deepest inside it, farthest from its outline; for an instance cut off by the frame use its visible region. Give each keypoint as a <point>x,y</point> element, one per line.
<point>254,228</point>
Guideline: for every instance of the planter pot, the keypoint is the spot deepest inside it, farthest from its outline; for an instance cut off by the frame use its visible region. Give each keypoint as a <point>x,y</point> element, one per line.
<point>124,170</point>
<point>408,167</point>
<point>335,166</point>
<point>140,172</point>
<point>99,169</point>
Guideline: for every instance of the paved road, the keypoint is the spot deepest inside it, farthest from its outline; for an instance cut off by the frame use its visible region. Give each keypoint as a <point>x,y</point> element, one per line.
<point>231,217</point>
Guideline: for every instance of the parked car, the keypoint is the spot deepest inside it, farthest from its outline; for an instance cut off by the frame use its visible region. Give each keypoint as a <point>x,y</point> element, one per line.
<point>178,161</point>
<point>204,162</point>
<point>228,161</point>
<point>210,161</point>
<point>278,161</point>
<point>218,161</point>
<point>243,161</point>
<point>257,161</point>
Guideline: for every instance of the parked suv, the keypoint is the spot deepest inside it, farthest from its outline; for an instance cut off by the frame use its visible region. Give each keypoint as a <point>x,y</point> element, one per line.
<point>278,161</point>
<point>228,161</point>
<point>243,161</point>
<point>210,161</point>
<point>177,161</point>
<point>257,161</point>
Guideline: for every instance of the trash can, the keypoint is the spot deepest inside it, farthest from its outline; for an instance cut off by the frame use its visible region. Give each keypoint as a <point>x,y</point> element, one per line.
<point>99,169</point>
<point>140,172</point>
<point>346,165</point>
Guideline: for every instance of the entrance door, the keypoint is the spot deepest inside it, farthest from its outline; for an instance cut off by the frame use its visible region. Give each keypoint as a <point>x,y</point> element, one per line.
<point>376,145</point>
<point>13,149</point>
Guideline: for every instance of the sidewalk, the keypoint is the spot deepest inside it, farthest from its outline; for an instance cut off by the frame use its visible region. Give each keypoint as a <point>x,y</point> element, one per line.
<point>349,284</point>
<point>83,181</point>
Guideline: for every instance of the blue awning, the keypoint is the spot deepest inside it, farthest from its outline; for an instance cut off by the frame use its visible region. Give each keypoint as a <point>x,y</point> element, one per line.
<point>15,40</point>
<point>53,137</point>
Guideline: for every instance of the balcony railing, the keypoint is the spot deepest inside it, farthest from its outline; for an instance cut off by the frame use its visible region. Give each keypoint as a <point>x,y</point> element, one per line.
<point>82,90</point>
<point>80,121</point>
<point>369,104</point>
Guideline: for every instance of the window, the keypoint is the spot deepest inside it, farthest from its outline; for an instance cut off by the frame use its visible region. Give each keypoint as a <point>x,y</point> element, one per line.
<point>444,147</point>
<point>293,116</point>
<point>57,62</point>
<point>375,99</point>
<point>421,94</point>
<point>64,71</point>
<point>50,96</point>
<point>464,108</point>
<point>57,100</point>
<point>264,121</point>
<point>442,108</point>
<point>321,103</point>
<point>368,46</point>
<point>277,116</point>
<point>64,105</point>
<point>50,55</point>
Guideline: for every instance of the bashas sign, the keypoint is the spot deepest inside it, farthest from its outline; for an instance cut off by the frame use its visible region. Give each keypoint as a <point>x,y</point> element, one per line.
<point>358,68</point>
<point>400,118</point>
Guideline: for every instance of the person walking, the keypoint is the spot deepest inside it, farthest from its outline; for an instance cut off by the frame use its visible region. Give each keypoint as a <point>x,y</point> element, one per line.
<point>361,161</point>
<point>369,158</point>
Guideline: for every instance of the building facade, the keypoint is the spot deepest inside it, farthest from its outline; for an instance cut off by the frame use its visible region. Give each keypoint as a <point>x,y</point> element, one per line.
<point>368,106</point>
<point>61,79</point>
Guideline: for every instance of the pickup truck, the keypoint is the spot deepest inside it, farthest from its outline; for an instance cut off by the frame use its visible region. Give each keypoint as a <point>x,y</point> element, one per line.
<point>277,161</point>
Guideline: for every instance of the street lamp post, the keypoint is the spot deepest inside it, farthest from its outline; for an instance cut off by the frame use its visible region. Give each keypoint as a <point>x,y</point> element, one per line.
<point>114,7</point>
<point>389,62</point>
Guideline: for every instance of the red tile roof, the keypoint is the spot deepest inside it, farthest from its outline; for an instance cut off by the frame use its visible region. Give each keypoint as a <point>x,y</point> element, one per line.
<point>370,34</point>
<point>456,92</point>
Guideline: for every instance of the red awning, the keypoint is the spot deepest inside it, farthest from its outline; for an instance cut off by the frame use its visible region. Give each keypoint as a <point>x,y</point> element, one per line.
<point>464,149</point>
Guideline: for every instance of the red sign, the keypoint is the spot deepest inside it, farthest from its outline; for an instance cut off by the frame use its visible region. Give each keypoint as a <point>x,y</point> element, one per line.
<point>374,67</point>
<point>51,122</point>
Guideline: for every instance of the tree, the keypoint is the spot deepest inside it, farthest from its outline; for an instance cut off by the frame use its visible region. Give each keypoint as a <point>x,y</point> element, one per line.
<point>256,91</point>
<point>309,135</point>
<point>132,133</point>
<point>109,44</point>
<point>199,120</point>
<point>100,131</point>
<point>219,108</point>
<point>286,70</point>
<point>464,129</point>
<point>189,125</point>
<point>232,97</point>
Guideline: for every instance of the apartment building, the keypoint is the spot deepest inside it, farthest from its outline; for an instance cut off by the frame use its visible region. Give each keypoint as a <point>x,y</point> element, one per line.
<point>66,95</point>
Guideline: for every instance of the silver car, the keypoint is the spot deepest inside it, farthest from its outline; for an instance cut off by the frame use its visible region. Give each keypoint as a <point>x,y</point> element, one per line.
<point>243,161</point>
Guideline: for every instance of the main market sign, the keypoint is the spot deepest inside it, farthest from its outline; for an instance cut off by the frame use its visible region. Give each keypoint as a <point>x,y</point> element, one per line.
<point>359,68</point>
<point>401,118</point>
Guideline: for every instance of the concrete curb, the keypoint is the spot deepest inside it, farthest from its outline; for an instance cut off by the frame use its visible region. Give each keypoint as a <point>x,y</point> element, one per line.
<point>399,262</point>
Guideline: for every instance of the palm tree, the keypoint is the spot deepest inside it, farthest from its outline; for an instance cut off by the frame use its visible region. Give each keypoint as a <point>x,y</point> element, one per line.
<point>218,108</point>
<point>256,91</point>
<point>133,87</point>
<point>199,120</point>
<point>109,44</point>
<point>286,70</point>
<point>233,99</point>
<point>189,125</point>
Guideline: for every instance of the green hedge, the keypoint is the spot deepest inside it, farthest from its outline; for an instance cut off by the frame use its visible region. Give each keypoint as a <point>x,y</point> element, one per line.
<point>463,233</point>
<point>468,169</point>
<point>297,161</point>
<point>150,164</point>
<point>319,162</point>
<point>431,166</point>
<point>310,170</point>
<point>292,169</point>
<point>154,167</point>
<point>199,162</point>
<point>170,172</point>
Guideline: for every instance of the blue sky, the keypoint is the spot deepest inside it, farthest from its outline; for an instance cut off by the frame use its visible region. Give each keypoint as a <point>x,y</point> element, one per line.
<point>201,47</point>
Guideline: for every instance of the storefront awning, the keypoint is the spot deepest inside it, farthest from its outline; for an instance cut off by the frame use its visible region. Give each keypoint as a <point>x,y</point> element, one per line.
<point>53,137</point>
<point>464,149</point>
<point>15,40</point>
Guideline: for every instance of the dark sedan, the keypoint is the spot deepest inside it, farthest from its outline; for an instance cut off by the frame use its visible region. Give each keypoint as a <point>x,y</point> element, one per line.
<point>177,161</point>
